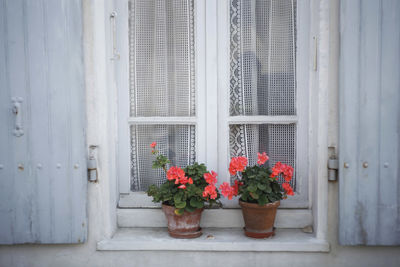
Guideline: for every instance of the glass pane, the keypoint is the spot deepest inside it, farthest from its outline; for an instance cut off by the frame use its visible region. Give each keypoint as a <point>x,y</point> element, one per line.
<point>263,57</point>
<point>278,140</point>
<point>177,142</point>
<point>161,58</point>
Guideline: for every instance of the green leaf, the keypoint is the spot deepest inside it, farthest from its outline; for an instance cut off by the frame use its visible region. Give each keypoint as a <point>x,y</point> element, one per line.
<point>189,208</point>
<point>180,205</point>
<point>254,195</point>
<point>268,189</point>
<point>177,198</point>
<point>244,196</point>
<point>252,188</point>
<point>196,203</point>
<point>276,187</point>
<point>262,200</point>
<point>261,186</point>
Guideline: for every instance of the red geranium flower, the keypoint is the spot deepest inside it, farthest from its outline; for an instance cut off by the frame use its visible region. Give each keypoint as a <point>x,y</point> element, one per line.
<point>237,165</point>
<point>235,187</point>
<point>182,186</point>
<point>211,178</point>
<point>287,172</point>
<point>209,191</point>
<point>288,189</point>
<point>277,169</point>
<point>229,191</point>
<point>175,173</point>
<point>153,145</point>
<point>182,180</point>
<point>262,158</point>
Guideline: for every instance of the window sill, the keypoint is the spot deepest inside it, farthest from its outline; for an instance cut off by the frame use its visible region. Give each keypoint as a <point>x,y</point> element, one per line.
<point>218,218</point>
<point>213,239</point>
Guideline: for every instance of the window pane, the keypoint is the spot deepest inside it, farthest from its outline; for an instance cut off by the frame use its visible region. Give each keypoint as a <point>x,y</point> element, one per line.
<point>177,142</point>
<point>263,56</point>
<point>161,41</point>
<point>278,140</point>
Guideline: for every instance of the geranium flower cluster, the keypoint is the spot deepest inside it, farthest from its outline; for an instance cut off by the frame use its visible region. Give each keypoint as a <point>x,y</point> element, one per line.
<point>287,172</point>
<point>238,164</point>
<point>210,190</point>
<point>288,189</point>
<point>262,158</point>
<point>230,191</point>
<point>177,174</point>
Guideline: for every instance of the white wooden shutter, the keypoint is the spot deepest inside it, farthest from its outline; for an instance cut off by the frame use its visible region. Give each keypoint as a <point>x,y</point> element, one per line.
<point>370,123</point>
<point>42,164</point>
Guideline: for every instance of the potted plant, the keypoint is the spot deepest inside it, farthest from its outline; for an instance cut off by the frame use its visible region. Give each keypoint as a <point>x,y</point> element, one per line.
<point>259,191</point>
<point>184,195</point>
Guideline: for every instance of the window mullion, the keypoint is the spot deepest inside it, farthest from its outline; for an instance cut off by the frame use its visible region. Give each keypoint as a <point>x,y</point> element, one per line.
<point>200,83</point>
<point>263,119</point>
<point>122,82</point>
<point>163,120</point>
<point>223,90</point>
<point>211,82</point>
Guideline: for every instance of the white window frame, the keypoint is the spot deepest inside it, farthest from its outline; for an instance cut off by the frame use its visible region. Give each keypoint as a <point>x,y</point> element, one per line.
<point>140,199</point>
<point>212,74</point>
<point>301,199</point>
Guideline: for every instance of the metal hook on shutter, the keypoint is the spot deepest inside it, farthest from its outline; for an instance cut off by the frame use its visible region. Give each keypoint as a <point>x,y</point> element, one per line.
<point>114,52</point>
<point>17,111</point>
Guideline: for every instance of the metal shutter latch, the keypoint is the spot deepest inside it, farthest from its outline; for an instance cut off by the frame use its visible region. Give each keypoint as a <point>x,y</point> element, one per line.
<point>92,164</point>
<point>333,166</point>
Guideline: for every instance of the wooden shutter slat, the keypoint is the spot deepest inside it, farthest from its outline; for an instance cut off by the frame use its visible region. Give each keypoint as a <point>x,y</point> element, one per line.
<point>42,44</point>
<point>369,123</point>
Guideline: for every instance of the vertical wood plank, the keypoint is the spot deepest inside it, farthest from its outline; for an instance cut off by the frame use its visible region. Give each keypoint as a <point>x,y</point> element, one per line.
<point>77,119</point>
<point>7,212</point>
<point>389,127</point>
<point>349,117</point>
<point>39,122</point>
<point>59,137</point>
<point>369,105</point>
<point>369,123</point>
<point>17,78</point>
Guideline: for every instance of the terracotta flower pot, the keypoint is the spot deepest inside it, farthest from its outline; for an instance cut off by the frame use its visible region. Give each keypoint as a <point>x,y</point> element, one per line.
<point>186,225</point>
<point>259,220</point>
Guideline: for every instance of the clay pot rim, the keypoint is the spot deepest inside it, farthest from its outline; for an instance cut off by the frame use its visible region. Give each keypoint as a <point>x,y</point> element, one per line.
<point>173,208</point>
<point>256,206</point>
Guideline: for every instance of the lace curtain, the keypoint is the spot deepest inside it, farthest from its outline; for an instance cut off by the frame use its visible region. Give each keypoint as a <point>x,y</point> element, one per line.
<point>263,77</point>
<point>161,42</point>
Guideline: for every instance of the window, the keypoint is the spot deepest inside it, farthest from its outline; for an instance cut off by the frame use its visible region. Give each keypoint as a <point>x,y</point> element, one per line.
<point>161,74</point>
<point>239,88</point>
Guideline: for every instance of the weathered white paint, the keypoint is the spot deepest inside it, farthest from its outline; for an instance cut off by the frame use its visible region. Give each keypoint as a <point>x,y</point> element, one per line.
<point>285,218</point>
<point>43,182</point>
<point>101,116</point>
<point>370,123</point>
<point>319,112</point>
<point>213,239</point>
<point>102,218</point>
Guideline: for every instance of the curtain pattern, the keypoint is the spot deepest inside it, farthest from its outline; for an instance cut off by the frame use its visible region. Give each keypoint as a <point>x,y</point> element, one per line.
<point>263,77</point>
<point>161,41</point>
